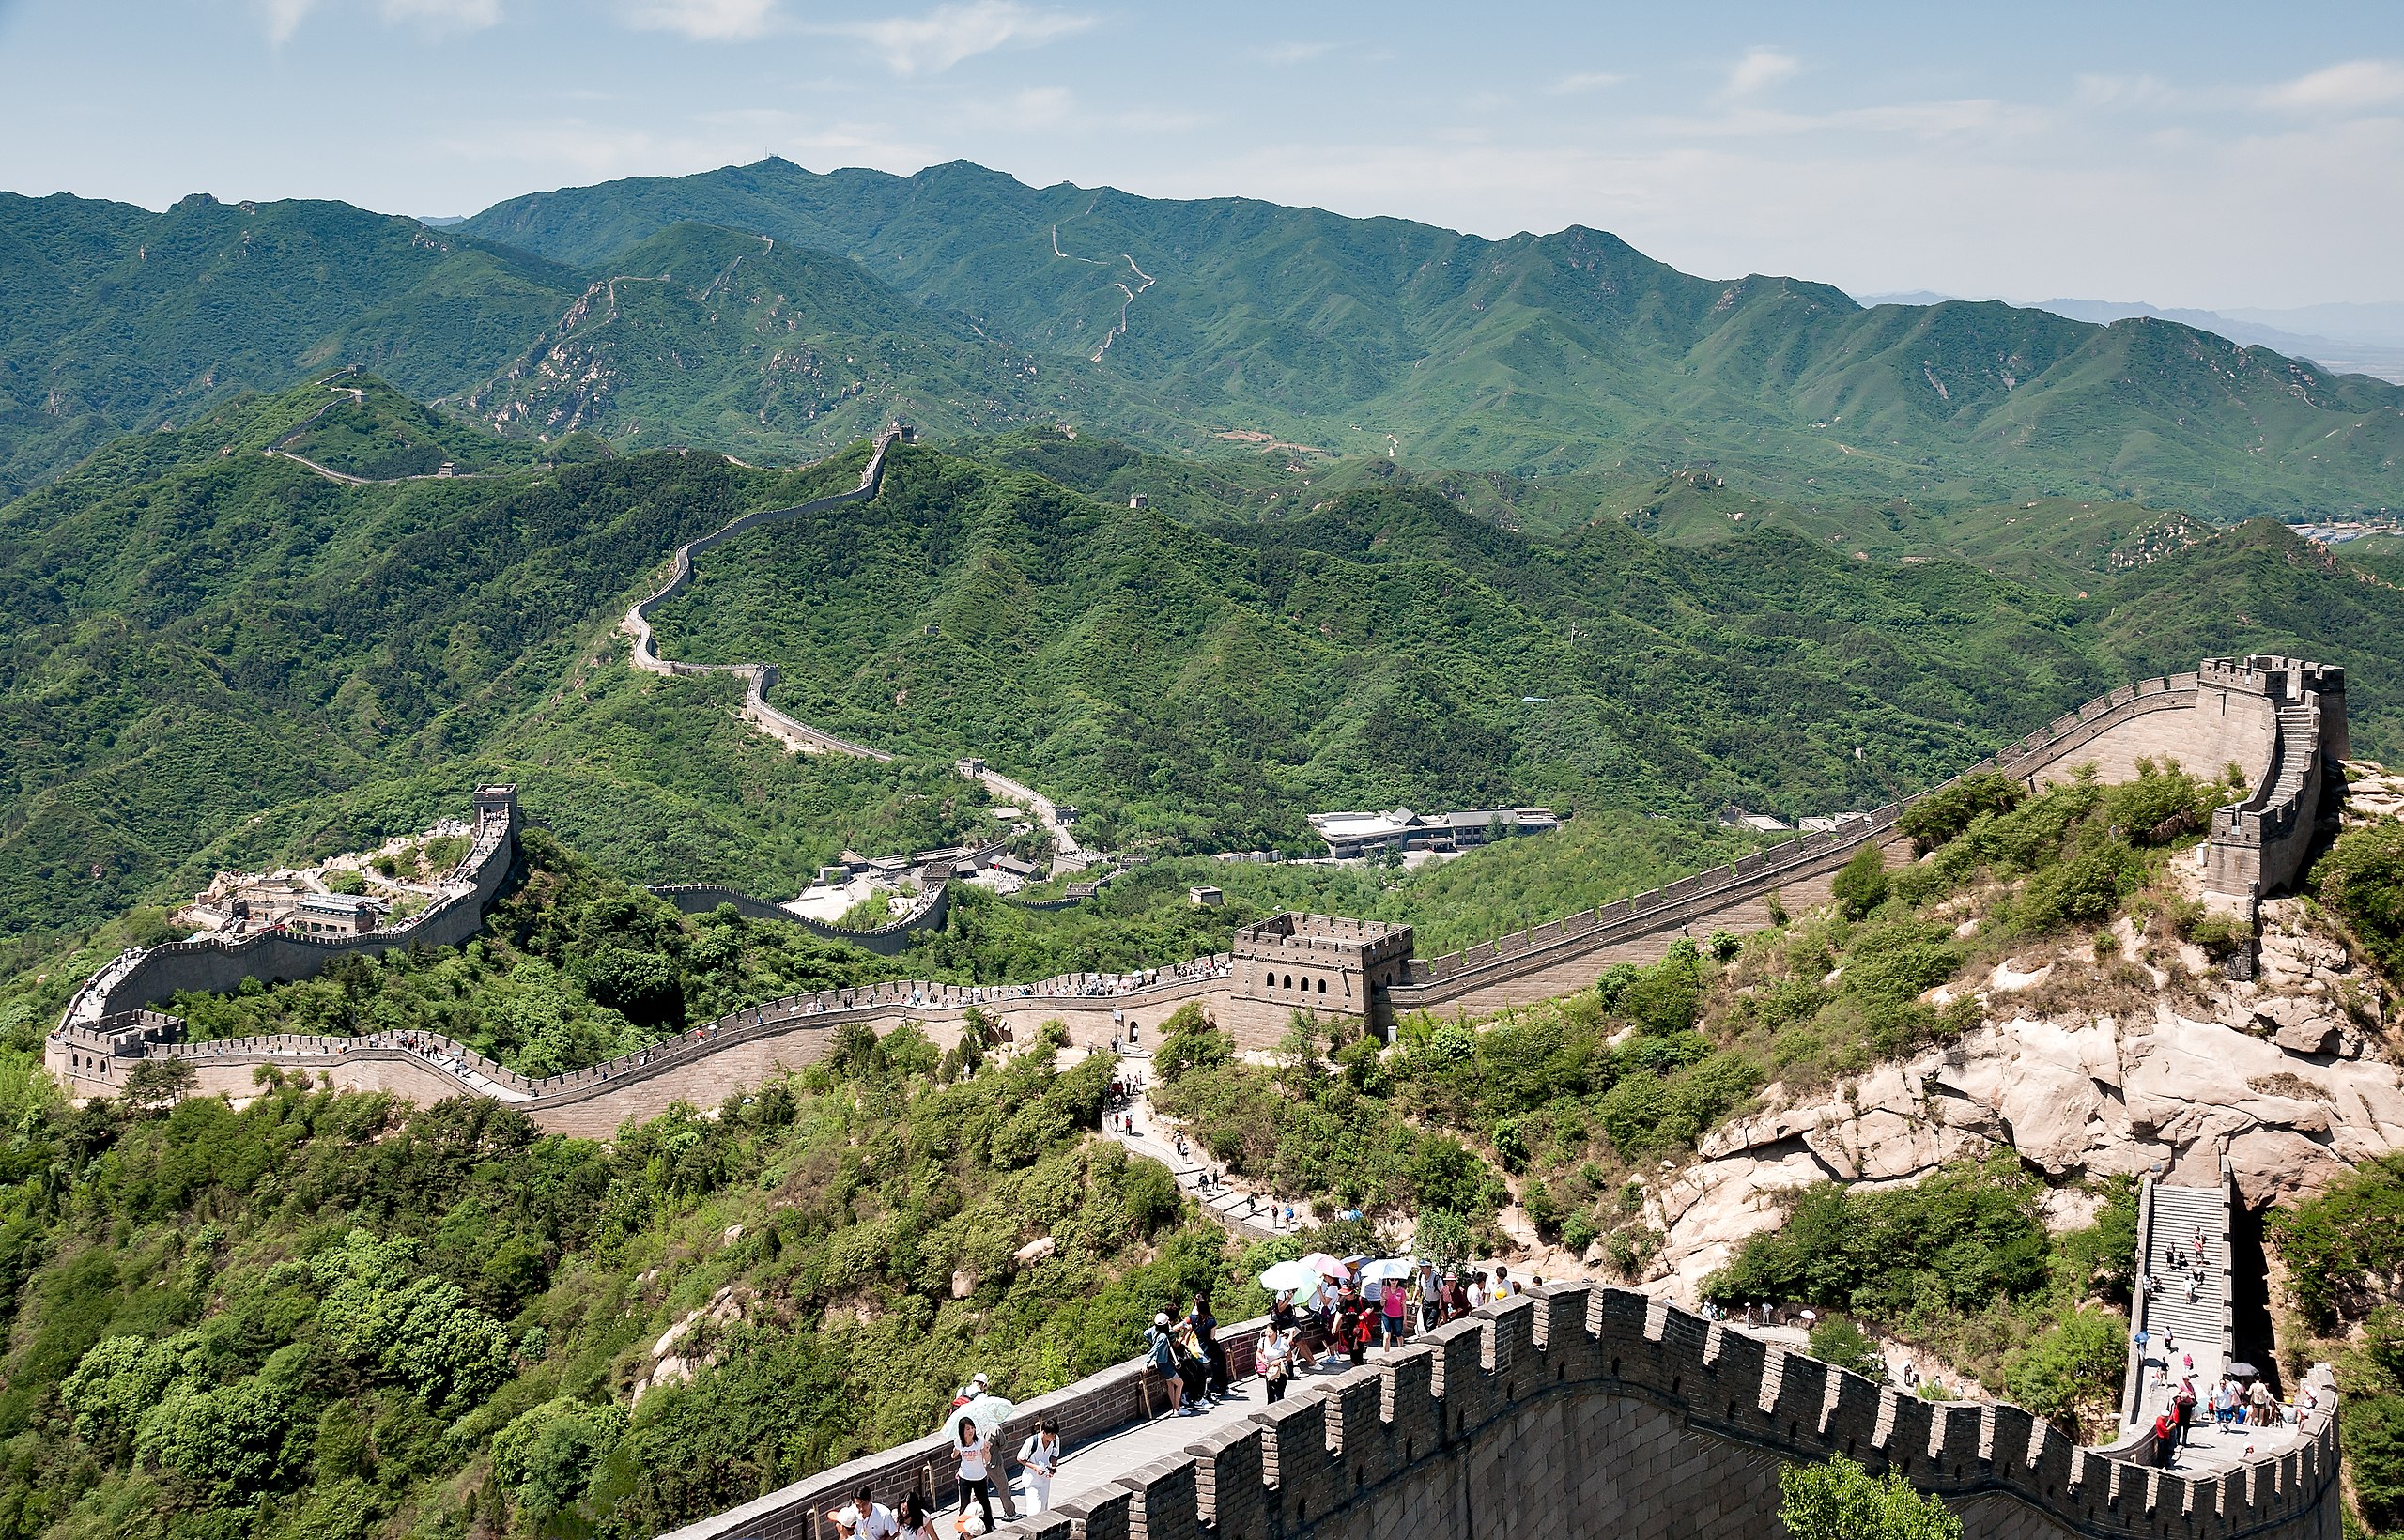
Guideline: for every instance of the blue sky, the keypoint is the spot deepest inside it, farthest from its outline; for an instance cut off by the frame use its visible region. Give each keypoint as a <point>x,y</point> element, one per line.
<point>2195,154</point>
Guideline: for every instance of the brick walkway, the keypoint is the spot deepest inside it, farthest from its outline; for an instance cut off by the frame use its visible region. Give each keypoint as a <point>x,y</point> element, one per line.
<point>1086,1470</point>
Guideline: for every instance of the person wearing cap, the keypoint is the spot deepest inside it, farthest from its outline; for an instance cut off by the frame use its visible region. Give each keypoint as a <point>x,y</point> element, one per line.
<point>865,1518</point>
<point>970,1391</point>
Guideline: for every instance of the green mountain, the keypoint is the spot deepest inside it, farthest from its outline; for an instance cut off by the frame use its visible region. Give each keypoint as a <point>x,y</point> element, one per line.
<point>114,319</point>
<point>738,343</point>
<point>218,653</point>
<point>1545,354</point>
<point>214,653</point>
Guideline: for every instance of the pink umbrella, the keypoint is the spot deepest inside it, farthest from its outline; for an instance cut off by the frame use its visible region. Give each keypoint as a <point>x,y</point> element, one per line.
<point>1329,1267</point>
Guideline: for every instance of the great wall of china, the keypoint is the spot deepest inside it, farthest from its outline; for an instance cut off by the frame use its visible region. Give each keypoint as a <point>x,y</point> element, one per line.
<point>1577,1409</point>
<point>1580,1411</point>
<point>2280,720</point>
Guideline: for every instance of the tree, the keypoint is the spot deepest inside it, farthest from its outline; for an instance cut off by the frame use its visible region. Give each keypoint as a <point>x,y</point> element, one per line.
<point>156,1083</point>
<point>1441,1237</point>
<point>1837,1341</point>
<point>1861,885</point>
<point>1840,1501</point>
<point>2071,1374</point>
<point>548,1455</point>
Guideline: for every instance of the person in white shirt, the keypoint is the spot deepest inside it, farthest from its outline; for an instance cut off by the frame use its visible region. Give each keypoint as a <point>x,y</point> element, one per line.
<point>1476,1290</point>
<point>974,1449</point>
<point>1038,1458</point>
<point>866,1518</point>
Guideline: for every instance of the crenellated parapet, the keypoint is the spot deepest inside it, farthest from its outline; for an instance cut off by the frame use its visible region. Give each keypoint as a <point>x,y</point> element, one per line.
<point>1580,1411</point>
<point>758,678</point>
<point>144,977</point>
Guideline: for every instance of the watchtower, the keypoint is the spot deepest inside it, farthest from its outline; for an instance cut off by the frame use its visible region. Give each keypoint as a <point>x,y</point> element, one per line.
<point>1321,963</point>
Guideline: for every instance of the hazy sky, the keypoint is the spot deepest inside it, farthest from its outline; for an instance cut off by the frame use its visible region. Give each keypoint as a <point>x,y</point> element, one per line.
<point>2190,154</point>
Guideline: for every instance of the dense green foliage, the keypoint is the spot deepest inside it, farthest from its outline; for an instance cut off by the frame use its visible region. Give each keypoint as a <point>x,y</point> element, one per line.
<point>1203,684</point>
<point>1963,1259</point>
<point>333,1315</point>
<point>221,658</point>
<point>196,639</point>
<point>1837,1499</point>
<point>2343,1252</point>
<point>1544,354</point>
<point>2360,878</point>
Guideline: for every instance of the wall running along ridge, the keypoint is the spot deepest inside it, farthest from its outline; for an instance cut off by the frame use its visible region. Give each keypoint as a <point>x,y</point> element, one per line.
<point>2256,697</point>
<point>759,677</point>
<point>1583,1412</point>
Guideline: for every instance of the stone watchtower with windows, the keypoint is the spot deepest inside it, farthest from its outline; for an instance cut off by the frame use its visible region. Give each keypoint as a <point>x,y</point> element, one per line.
<point>1334,968</point>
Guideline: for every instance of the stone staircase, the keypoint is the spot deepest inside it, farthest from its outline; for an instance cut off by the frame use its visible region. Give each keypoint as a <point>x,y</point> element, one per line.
<point>2180,1328</point>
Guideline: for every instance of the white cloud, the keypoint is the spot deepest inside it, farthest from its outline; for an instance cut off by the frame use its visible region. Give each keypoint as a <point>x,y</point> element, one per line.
<point>444,16</point>
<point>1759,69</point>
<point>2122,91</point>
<point>2349,86</point>
<point>711,20</point>
<point>436,18</point>
<point>284,18</point>
<point>1592,80</point>
<point>1039,105</point>
<point>1294,53</point>
<point>948,34</point>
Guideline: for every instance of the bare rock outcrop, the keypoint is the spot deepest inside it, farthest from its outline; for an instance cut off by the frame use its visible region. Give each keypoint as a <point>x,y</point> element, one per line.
<point>2288,1076</point>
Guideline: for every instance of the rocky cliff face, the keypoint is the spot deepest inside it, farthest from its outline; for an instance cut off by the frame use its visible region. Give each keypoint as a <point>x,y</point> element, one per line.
<point>2084,1066</point>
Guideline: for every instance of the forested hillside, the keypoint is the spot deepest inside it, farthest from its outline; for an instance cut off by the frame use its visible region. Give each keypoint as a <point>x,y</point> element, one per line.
<point>1545,354</point>
<point>1208,680</point>
<point>772,312</point>
<point>219,655</point>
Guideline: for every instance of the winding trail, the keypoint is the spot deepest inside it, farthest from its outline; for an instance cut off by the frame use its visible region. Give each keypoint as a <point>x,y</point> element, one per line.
<point>1126,303</point>
<point>759,678</point>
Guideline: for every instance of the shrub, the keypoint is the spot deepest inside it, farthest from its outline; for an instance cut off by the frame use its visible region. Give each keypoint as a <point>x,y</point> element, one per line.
<point>1940,817</point>
<point>2071,1373</point>
<point>1543,1210</point>
<point>1837,1341</point>
<point>547,1455</point>
<point>1840,1501</point>
<point>2362,881</point>
<point>1861,885</point>
<point>2162,804</point>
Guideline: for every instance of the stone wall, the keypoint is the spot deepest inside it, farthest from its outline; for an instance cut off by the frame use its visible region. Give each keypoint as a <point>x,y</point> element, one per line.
<point>888,940</point>
<point>1583,1412</point>
<point>151,976</point>
<point>2228,720</point>
<point>759,677</point>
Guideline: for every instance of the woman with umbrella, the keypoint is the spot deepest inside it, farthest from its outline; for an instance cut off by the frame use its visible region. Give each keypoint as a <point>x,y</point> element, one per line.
<point>974,1446</point>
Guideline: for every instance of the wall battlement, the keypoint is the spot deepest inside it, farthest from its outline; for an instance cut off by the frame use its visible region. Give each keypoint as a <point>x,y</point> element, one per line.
<point>148,976</point>
<point>1589,1411</point>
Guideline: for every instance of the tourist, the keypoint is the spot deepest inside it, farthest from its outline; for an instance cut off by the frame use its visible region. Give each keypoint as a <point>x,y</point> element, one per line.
<point>865,1520</point>
<point>973,1449</point>
<point>1204,1327</point>
<point>1161,1353</point>
<point>1396,1302</point>
<point>1475,1293</point>
<point>2259,1399</point>
<point>2164,1431</point>
<point>914,1522</point>
<point>1503,1288</point>
<point>970,1391</point>
<point>1038,1460</point>
<point>2183,1408</point>
<point>1276,1359</point>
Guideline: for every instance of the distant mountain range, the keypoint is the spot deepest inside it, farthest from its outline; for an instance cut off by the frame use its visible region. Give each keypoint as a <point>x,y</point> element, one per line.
<point>772,311</point>
<point>2365,339</point>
